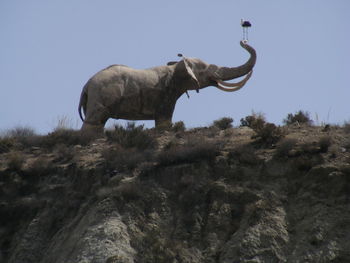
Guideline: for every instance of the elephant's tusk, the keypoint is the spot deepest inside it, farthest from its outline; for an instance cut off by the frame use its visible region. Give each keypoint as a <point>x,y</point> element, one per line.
<point>238,84</point>
<point>228,89</point>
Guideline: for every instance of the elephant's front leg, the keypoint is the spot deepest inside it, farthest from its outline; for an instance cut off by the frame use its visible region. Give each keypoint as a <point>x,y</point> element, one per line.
<point>163,123</point>
<point>164,115</point>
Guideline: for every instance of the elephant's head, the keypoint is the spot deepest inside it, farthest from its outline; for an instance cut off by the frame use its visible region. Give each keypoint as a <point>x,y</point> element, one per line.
<point>195,74</point>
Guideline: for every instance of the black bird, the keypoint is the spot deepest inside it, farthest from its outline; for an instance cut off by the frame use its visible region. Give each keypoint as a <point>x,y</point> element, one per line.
<point>245,23</point>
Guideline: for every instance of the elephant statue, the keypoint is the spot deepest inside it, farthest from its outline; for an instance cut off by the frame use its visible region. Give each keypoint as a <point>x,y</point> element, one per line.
<point>122,92</point>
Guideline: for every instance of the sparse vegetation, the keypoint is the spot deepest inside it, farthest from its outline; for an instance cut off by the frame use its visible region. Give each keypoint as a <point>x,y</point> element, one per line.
<point>194,185</point>
<point>131,136</point>
<point>300,117</point>
<point>223,123</point>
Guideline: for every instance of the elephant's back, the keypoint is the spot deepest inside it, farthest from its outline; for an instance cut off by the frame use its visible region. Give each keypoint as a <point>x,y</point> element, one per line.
<point>107,74</point>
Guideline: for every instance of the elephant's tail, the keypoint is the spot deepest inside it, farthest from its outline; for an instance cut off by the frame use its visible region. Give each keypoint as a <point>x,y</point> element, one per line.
<point>82,103</point>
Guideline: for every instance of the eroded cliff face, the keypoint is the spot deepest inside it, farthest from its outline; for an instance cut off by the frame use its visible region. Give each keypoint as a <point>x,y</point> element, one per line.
<point>221,198</point>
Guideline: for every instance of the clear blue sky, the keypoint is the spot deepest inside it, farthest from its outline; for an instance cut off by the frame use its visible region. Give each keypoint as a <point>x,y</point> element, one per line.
<point>49,49</point>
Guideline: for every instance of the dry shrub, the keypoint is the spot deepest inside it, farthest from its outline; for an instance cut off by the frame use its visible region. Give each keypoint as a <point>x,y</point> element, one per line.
<point>15,161</point>
<point>268,134</point>
<point>131,136</point>
<point>223,123</point>
<point>300,117</point>
<point>255,121</point>
<point>284,147</point>
<point>244,154</point>
<point>187,153</point>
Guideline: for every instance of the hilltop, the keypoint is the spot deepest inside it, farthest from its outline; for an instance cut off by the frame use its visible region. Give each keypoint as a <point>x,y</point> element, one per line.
<point>256,193</point>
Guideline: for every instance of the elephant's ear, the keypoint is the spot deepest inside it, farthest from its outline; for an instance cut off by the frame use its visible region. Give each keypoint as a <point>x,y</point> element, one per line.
<point>170,63</point>
<point>184,75</point>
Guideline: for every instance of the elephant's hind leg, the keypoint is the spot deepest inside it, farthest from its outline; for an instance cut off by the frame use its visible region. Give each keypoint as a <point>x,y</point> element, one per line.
<point>89,127</point>
<point>95,121</point>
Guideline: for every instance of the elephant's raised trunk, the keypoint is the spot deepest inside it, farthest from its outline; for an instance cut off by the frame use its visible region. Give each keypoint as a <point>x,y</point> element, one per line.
<point>226,73</point>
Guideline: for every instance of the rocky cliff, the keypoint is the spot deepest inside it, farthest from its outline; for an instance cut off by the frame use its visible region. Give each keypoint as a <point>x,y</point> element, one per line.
<point>202,195</point>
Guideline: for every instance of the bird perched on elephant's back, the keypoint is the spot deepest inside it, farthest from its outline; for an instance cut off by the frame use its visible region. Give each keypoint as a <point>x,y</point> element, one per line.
<point>122,92</point>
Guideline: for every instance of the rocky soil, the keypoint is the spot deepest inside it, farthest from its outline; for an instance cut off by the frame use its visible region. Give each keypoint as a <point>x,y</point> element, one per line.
<point>203,195</point>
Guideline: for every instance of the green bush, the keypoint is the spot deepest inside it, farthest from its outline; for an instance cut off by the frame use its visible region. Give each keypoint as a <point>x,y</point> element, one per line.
<point>131,136</point>
<point>223,123</point>
<point>300,117</point>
